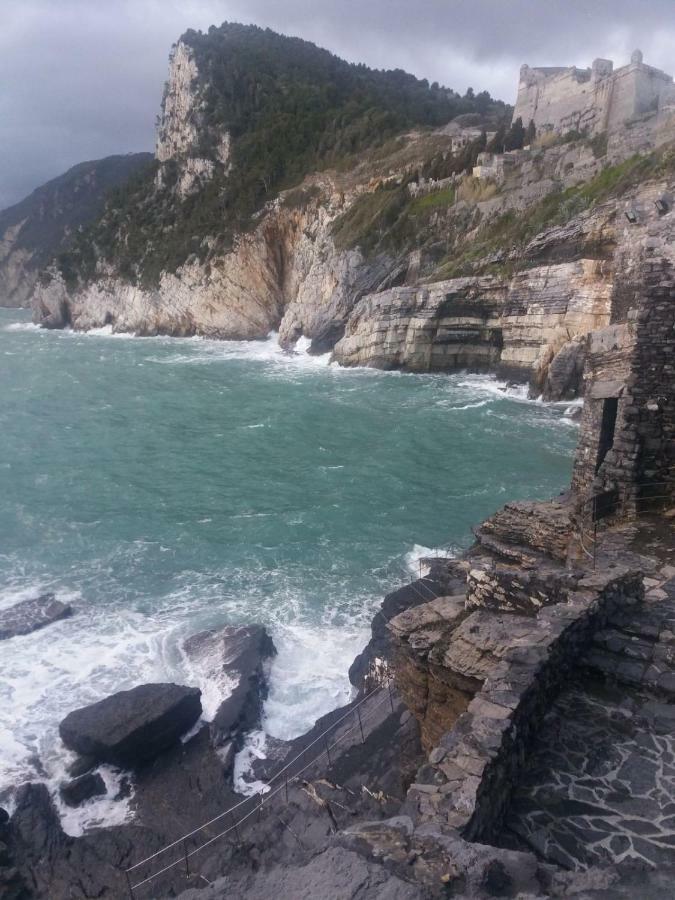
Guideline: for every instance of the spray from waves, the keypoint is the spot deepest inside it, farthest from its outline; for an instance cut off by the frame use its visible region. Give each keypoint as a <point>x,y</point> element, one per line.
<point>21,326</point>
<point>268,351</point>
<point>414,557</point>
<point>101,650</point>
<point>308,678</point>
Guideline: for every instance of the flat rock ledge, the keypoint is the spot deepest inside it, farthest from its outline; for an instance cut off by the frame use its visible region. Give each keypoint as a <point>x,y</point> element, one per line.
<point>29,615</point>
<point>132,727</point>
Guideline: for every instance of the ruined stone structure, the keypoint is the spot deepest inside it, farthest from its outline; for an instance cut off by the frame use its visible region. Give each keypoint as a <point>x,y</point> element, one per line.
<point>627,441</point>
<point>592,100</point>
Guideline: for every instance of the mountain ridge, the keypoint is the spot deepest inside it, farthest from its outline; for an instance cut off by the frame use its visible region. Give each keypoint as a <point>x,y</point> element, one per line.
<point>40,225</point>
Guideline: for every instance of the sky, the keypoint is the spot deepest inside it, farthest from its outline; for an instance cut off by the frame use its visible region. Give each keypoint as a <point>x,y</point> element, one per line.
<point>82,79</point>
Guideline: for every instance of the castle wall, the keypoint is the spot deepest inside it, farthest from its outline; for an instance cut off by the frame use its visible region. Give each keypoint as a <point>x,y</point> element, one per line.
<point>590,100</point>
<point>637,89</point>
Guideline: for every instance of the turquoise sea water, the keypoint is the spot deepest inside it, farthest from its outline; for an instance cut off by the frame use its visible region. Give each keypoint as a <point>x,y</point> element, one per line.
<point>167,485</point>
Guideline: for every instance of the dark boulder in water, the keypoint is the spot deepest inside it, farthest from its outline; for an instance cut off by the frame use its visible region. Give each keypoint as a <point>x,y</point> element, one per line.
<point>234,654</point>
<point>29,615</point>
<point>132,727</point>
<point>75,792</point>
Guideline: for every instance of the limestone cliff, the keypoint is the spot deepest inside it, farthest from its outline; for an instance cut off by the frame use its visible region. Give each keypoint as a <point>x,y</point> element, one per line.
<point>286,276</point>
<point>396,258</point>
<point>40,226</point>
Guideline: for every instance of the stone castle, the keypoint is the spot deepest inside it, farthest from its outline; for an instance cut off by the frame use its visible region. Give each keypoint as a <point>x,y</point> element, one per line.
<point>593,100</point>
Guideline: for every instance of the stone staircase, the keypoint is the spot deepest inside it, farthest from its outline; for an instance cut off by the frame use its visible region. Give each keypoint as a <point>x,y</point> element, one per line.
<point>637,647</point>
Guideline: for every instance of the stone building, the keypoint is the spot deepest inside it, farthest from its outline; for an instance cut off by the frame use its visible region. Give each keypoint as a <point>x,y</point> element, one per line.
<point>592,100</point>
<point>626,452</point>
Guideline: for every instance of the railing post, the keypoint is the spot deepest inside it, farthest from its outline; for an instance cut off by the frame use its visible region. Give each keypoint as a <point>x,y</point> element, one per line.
<point>187,863</point>
<point>287,790</point>
<point>325,740</point>
<point>129,886</point>
<point>358,713</point>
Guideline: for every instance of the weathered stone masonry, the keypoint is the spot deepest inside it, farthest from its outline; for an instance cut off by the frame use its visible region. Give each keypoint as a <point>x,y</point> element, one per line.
<point>627,440</point>
<point>592,100</point>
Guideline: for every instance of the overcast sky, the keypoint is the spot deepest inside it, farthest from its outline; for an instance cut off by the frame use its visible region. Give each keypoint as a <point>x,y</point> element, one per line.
<point>81,79</point>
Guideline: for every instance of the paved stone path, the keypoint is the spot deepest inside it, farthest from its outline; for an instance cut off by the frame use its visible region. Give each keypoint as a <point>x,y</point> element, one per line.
<point>600,786</point>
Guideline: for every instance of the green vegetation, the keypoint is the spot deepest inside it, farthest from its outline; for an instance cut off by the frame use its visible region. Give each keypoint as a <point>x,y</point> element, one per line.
<point>436,200</point>
<point>370,218</point>
<point>599,145</point>
<point>512,230</point>
<point>290,108</point>
<point>59,209</point>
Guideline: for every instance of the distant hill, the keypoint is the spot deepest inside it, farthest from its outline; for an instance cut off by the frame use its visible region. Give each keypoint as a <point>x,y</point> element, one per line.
<point>41,225</point>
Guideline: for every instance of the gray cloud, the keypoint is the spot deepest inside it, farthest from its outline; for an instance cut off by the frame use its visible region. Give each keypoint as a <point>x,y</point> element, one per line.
<point>82,79</point>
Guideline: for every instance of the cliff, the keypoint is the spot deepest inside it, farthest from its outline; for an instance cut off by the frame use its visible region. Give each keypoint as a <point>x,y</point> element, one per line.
<point>41,226</point>
<point>368,234</point>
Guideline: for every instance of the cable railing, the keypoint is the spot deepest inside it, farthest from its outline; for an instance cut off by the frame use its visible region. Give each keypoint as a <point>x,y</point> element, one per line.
<point>279,783</point>
<point>615,500</point>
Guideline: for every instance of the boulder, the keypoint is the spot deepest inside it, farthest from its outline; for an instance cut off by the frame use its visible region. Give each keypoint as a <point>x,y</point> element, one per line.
<point>75,792</point>
<point>132,727</point>
<point>233,658</point>
<point>29,615</point>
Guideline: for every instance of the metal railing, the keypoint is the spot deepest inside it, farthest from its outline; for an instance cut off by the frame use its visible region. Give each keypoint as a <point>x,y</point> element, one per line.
<point>238,814</point>
<point>588,518</point>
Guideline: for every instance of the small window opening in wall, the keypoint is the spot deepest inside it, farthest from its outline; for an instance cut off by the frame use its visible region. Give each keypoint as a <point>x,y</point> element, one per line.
<point>610,408</point>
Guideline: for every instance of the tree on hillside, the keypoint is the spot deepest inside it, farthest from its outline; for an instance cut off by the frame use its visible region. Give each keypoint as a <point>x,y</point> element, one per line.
<point>530,133</point>
<point>515,136</point>
<point>496,144</point>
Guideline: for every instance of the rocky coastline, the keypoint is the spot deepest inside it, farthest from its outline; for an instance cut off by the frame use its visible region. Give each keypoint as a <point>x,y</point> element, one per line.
<point>510,733</point>
<point>444,774</point>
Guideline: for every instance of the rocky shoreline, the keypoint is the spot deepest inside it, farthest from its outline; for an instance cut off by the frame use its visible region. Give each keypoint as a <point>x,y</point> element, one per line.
<point>405,804</point>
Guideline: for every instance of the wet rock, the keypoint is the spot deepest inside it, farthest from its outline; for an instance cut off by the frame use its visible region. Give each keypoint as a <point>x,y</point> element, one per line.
<point>81,766</point>
<point>132,727</point>
<point>35,822</point>
<point>234,654</point>
<point>75,792</point>
<point>29,615</point>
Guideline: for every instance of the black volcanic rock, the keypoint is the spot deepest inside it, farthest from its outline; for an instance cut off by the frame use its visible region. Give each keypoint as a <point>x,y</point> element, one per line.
<point>29,615</point>
<point>132,727</point>
<point>235,653</point>
<point>83,788</point>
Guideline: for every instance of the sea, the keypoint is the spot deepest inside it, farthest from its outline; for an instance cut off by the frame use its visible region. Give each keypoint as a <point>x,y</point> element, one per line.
<point>164,486</point>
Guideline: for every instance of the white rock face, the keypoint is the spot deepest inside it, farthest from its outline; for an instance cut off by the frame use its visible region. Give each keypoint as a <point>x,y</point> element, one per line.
<point>177,132</point>
<point>16,277</point>
<point>287,275</point>
<point>181,125</point>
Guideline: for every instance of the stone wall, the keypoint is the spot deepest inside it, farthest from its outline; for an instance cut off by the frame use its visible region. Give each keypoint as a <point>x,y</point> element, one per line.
<point>632,365</point>
<point>524,662</point>
<point>591,100</point>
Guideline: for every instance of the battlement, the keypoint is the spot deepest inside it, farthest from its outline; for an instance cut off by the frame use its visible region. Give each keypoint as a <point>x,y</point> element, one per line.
<point>591,100</point>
